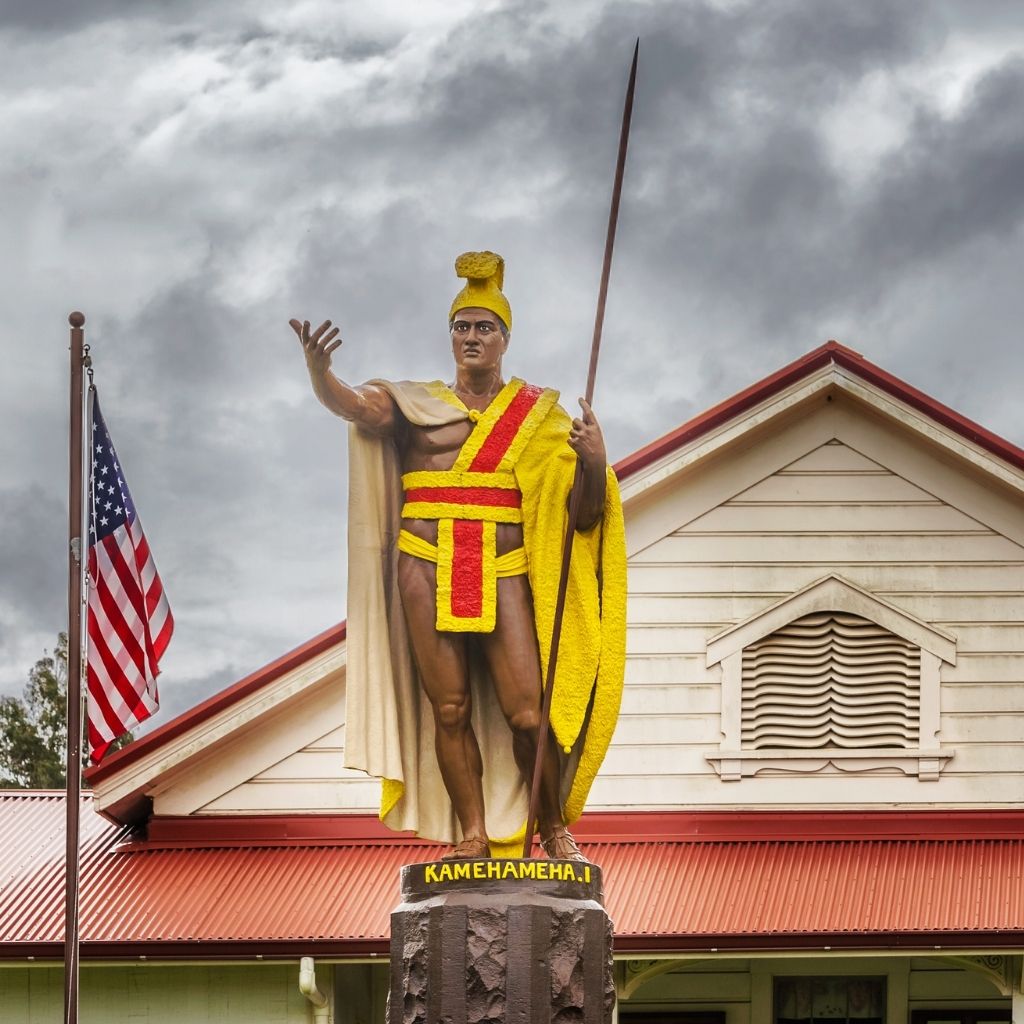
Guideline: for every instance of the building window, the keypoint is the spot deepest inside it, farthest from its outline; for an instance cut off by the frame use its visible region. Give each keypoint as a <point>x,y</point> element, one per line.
<point>858,1000</point>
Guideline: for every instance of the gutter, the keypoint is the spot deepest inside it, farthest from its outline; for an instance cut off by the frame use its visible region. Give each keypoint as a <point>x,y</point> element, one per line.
<point>307,986</point>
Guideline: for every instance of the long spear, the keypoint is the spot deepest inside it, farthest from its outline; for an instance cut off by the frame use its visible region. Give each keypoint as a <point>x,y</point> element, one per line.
<point>577,486</point>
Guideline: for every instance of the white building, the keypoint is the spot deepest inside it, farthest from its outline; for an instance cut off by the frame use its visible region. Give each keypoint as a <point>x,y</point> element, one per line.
<point>812,808</point>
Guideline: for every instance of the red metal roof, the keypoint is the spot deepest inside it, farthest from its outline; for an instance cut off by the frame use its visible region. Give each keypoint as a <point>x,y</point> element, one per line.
<point>280,886</point>
<point>830,352</point>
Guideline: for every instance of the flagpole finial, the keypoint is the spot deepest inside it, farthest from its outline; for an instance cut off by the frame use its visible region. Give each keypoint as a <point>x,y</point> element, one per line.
<point>77,319</point>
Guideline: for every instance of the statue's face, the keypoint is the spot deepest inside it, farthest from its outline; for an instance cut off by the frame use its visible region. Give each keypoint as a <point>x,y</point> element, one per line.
<point>478,342</point>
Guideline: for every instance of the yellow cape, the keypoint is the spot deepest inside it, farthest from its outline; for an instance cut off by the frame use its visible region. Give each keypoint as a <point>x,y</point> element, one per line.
<point>389,726</point>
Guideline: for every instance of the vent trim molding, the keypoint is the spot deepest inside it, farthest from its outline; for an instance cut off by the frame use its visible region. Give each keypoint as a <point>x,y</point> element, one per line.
<point>831,593</point>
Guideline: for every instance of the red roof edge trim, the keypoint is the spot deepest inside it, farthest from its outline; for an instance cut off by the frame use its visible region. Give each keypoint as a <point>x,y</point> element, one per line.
<point>936,410</point>
<point>831,351</point>
<point>726,410</point>
<point>799,825</point>
<point>246,830</point>
<point>218,702</point>
<point>185,949</point>
<point>606,827</point>
<point>249,949</point>
<point>826,942</point>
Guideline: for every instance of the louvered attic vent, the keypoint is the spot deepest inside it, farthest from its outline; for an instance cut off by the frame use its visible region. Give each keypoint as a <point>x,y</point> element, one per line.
<point>831,679</point>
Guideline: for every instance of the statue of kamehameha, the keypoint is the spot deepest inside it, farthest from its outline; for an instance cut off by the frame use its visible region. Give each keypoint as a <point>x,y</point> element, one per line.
<point>457,511</point>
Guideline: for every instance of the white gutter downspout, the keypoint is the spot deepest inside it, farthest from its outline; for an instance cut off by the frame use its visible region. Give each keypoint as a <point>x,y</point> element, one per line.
<point>307,986</point>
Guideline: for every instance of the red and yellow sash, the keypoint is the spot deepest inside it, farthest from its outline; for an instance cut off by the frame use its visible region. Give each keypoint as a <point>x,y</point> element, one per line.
<point>471,498</point>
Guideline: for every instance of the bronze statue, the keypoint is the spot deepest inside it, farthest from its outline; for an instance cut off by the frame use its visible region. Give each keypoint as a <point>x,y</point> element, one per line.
<point>481,461</point>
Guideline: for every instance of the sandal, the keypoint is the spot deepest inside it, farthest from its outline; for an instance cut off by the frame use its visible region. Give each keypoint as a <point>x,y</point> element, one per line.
<point>474,848</point>
<point>560,845</point>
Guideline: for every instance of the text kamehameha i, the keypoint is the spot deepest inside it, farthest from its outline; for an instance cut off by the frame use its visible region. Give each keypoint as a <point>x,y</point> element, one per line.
<point>500,870</point>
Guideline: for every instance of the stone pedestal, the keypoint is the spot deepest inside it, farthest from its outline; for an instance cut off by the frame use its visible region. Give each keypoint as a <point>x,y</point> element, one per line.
<point>501,942</point>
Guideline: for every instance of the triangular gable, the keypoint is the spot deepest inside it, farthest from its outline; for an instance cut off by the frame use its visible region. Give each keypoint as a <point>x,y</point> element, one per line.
<point>780,388</point>
<point>228,738</point>
<point>202,760</point>
<point>814,402</point>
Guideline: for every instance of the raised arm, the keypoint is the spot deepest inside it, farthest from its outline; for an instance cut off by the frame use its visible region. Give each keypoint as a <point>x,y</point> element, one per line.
<point>369,406</point>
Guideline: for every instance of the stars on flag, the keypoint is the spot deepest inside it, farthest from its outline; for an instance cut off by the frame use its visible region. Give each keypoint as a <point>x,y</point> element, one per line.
<point>129,621</point>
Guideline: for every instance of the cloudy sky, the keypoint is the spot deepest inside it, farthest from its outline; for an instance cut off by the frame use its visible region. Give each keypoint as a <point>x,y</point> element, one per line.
<point>192,173</point>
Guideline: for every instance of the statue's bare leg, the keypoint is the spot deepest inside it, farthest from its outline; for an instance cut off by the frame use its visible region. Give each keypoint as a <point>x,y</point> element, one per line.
<point>514,661</point>
<point>443,667</point>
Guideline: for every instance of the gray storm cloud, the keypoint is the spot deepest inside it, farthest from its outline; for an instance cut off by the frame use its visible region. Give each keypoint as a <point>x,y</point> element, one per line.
<point>192,175</point>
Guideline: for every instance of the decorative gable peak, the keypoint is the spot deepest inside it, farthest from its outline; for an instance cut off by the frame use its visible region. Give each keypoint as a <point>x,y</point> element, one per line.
<point>832,593</point>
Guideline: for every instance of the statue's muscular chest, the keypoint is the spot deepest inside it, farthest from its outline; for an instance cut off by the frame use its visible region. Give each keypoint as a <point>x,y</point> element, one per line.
<point>434,448</point>
<point>424,448</point>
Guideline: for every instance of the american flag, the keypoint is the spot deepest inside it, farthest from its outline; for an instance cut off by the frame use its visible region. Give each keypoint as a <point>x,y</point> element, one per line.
<point>130,621</point>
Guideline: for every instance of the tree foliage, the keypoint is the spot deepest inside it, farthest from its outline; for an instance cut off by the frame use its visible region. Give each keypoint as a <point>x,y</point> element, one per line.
<point>33,747</point>
<point>33,743</point>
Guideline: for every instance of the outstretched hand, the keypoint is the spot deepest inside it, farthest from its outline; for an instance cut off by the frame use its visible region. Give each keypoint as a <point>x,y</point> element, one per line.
<point>318,346</point>
<point>586,439</point>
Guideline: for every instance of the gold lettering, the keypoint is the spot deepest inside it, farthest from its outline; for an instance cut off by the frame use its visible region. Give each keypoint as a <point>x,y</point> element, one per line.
<point>586,873</point>
<point>430,874</point>
<point>511,868</point>
<point>494,869</point>
<point>445,874</point>
<point>528,869</point>
<point>462,871</point>
<point>542,871</point>
<point>478,870</point>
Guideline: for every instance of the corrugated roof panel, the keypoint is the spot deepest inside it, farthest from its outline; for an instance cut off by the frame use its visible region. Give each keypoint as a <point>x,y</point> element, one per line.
<point>827,887</point>
<point>343,890</point>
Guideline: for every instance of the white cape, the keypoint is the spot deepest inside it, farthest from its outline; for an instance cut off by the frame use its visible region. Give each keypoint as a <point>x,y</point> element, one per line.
<point>389,728</point>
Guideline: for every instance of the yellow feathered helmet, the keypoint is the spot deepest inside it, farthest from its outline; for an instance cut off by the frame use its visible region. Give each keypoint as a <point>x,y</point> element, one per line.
<point>484,273</point>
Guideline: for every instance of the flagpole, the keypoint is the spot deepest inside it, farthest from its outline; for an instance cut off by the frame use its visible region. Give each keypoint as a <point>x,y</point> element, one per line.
<point>76,557</point>
<point>577,486</point>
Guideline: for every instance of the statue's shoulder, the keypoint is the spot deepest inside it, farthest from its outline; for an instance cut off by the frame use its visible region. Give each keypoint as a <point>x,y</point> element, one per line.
<point>423,403</point>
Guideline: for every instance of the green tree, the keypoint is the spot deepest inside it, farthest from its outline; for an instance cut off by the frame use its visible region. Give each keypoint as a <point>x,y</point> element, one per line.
<point>33,746</point>
<point>33,749</point>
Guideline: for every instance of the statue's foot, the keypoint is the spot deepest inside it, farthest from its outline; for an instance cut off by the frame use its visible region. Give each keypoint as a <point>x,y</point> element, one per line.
<point>473,848</point>
<point>560,845</point>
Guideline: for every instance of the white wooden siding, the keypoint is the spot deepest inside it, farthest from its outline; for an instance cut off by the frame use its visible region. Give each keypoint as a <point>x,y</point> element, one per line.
<point>308,780</point>
<point>831,509</point>
<point>725,541</point>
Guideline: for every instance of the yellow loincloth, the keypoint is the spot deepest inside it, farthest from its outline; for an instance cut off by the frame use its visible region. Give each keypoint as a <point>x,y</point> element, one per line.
<point>511,563</point>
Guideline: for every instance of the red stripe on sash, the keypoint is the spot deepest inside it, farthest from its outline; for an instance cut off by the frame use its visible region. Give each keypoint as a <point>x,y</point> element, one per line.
<point>500,497</point>
<point>503,432</point>
<point>468,568</point>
